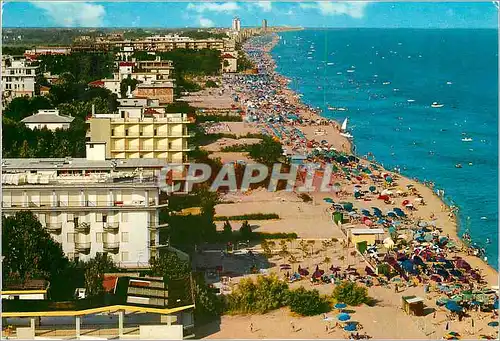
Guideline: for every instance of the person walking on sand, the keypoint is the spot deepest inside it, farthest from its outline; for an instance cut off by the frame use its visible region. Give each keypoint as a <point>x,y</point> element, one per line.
<point>251,327</point>
<point>293,326</point>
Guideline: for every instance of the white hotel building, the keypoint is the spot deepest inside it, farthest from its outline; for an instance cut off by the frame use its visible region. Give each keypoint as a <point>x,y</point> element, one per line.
<point>91,206</point>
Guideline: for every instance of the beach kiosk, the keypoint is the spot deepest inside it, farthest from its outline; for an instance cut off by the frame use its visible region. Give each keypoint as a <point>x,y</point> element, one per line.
<point>364,237</point>
<point>413,305</point>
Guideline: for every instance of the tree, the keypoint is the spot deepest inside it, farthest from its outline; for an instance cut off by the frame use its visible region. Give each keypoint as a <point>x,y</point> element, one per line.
<point>228,230</point>
<point>268,151</point>
<point>125,83</point>
<point>208,305</point>
<point>29,250</point>
<point>94,273</point>
<point>246,230</point>
<point>169,266</point>
<point>307,302</point>
<point>350,293</point>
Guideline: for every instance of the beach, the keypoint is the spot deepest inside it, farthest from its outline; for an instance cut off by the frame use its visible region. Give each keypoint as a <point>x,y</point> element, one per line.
<point>278,111</point>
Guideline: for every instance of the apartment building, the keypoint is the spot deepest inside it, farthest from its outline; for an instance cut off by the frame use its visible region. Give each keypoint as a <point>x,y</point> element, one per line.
<point>35,52</point>
<point>140,132</point>
<point>161,44</point>
<point>91,205</point>
<point>230,62</point>
<point>18,78</point>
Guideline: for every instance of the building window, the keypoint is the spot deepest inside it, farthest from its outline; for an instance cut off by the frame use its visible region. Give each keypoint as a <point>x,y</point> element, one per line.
<point>126,132</point>
<point>124,217</point>
<point>155,132</point>
<point>125,237</point>
<point>98,237</point>
<point>98,217</point>
<point>75,221</point>
<point>124,256</point>
<point>70,217</point>
<point>104,218</point>
<point>112,132</point>
<point>91,146</point>
<point>71,237</point>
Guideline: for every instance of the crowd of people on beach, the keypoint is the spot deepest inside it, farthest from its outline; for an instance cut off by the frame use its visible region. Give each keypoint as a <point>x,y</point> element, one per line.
<point>268,102</point>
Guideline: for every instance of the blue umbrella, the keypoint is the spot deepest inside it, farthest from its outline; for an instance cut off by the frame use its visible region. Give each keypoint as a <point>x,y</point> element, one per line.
<point>400,213</point>
<point>495,305</point>
<point>350,327</point>
<point>391,214</point>
<point>453,306</point>
<point>493,324</point>
<point>340,306</point>
<point>343,317</point>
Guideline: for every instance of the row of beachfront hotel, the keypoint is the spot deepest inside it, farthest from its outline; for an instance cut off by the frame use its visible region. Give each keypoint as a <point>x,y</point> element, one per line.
<point>109,201</point>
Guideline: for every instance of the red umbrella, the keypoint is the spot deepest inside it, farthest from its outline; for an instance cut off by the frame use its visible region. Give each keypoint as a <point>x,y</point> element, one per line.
<point>383,197</point>
<point>368,222</point>
<point>406,202</point>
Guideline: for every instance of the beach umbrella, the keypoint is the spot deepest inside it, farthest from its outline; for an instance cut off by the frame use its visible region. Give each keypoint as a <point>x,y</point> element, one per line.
<point>368,222</point>
<point>376,209</point>
<point>422,224</point>
<point>453,306</point>
<point>388,179</point>
<point>392,214</point>
<point>350,327</point>
<point>348,206</point>
<point>340,306</point>
<point>328,200</point>
<point>495,305</point>
<point>343,317</point>
<point>405,202</point>
<point>493,324</point>
<point>366,213</point>
<point>357,195</point>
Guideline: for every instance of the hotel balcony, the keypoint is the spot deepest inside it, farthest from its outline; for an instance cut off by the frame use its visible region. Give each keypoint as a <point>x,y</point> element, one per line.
<point>83,228</point>
<point>111,227</point>
<point>157,226</point>
<point>112,247</point>
<point>54,227</point>
<point>82,247</point>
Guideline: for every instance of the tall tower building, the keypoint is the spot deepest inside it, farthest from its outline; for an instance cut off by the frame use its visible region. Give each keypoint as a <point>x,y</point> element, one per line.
<point>264,24</point>
<point>236,24</point>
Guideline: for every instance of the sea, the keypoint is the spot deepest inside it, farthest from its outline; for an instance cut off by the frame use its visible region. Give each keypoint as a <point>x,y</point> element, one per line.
<point>387,80</point>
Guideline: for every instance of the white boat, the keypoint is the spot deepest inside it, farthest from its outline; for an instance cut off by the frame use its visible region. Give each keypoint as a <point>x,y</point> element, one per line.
<point>339,73</point>
<point>329,63</point>
<point>386,83</point>
<point>437,105</point>
<point>342,109</point>
<point>410,100</point>
<point>332,108</point>
<point>309,57</point>
<point>349,136</point>
<point>350,71</point>
<point>449,83</point>
<point>466,139</point>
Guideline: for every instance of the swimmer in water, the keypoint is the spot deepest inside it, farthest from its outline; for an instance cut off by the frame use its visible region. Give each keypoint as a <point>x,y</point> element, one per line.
<point>488,241</point>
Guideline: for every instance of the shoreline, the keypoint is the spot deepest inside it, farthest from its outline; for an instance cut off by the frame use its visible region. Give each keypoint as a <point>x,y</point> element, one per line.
<point>450,227</point>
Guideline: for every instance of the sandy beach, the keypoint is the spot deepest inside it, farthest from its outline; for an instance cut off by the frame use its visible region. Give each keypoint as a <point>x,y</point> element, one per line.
<point>313,221</point>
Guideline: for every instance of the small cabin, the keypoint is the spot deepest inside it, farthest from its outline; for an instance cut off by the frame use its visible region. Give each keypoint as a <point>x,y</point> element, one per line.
<point>29,290</point>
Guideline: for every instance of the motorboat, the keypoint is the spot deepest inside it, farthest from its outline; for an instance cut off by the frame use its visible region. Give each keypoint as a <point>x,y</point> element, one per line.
<point>349,136</point>
<point>458,165</point>
<point>350,71</point>
<point>332,108</point>
<point>386,83</point>
<point>466,139</point>
<point>342,109</point>
<point>410,100</point>
<point>329,63</point>
<point>437,105</point>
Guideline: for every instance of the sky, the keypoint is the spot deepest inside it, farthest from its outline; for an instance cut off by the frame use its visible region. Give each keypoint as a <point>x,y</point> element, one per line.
<point>334,14</point>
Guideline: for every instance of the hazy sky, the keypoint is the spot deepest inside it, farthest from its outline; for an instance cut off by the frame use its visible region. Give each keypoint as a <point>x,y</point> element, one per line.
<point>210,14</point>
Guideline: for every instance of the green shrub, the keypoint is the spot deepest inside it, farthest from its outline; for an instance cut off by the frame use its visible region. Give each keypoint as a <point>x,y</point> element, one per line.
<point>211,84</point>
<point>350,293</point>
<point>236,148</point>
<point>251,216</point>
<point>265,294</point>
<point>307,302</point>
<point>305,197</point>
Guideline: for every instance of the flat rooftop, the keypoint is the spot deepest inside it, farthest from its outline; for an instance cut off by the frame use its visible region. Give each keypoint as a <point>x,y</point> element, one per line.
<point>78,164</point>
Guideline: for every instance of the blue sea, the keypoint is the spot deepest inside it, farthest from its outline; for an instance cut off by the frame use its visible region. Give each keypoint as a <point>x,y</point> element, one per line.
<point>456,68</point>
